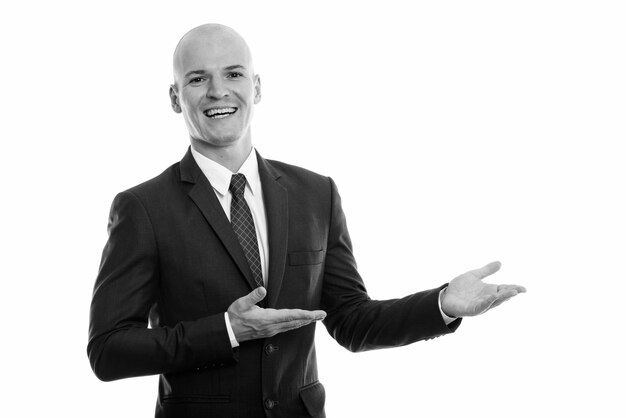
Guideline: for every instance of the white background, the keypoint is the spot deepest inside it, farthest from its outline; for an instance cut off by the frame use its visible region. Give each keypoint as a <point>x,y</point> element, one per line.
<point>478,130</point>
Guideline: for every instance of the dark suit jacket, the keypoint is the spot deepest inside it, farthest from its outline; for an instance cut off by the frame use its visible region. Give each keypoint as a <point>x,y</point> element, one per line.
<point>173,262</point>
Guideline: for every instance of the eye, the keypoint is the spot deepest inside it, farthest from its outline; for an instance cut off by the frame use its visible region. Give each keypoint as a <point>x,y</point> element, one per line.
<point>196,80</point>
<point>234,74</point>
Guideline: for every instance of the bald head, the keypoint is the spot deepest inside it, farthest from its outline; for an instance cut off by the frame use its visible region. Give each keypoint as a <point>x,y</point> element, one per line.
<point>217,41</point>
<point>215,89</point>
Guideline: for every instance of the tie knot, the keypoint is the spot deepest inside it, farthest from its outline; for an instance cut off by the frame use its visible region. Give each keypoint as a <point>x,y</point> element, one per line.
<point>237,184</point>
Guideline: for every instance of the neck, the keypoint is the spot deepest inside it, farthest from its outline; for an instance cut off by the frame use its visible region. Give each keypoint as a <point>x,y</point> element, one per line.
<point>232,157</point>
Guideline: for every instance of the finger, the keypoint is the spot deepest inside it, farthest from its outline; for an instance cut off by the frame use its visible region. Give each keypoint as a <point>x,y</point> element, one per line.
<point>509,288</point>
<point>288,315</point>
<point>253,297</point>
<point>274,329</point>
<point>487,270</point>
<point>289,326</point>
<point>504,295</point>
<point>498,302</point>
<point>519,289</point>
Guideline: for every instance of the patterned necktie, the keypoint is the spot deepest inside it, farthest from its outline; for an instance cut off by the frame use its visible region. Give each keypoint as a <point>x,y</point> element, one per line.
<point>243,225</point>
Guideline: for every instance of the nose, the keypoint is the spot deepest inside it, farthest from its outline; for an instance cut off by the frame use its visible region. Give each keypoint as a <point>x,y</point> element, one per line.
<point>216,89</point>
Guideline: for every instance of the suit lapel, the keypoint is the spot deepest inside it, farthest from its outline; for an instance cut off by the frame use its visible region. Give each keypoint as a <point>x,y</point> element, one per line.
<point>203,196</point>
<point>275,200</point>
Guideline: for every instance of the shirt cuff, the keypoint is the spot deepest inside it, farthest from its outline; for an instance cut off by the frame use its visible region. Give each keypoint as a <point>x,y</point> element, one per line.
<point>447,319</point>
<point>231,334</point>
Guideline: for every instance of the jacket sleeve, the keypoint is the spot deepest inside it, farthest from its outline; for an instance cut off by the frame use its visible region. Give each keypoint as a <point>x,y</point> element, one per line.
<point>359,323</point>
<point>121,344</point>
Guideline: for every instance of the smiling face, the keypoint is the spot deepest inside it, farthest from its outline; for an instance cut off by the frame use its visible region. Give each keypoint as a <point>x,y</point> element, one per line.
<point>215,87</point>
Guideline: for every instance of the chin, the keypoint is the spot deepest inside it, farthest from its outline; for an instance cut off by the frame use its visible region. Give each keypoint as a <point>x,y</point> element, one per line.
<point>220,141</point>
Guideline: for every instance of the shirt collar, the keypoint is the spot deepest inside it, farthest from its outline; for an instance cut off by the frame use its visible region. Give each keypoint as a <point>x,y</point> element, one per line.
<point>219,176</point>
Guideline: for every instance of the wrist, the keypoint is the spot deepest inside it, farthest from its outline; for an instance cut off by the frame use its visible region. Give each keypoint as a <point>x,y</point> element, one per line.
<point>231,333</point>
<point>446,316</point>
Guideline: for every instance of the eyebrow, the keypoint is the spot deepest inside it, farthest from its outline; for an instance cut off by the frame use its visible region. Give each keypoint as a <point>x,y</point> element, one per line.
<point>202,72</point>
<point>235,67</point>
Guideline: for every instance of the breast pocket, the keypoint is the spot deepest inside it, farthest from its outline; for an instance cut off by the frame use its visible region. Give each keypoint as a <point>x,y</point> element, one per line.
<point>306,257</point>
<point>302,283</point>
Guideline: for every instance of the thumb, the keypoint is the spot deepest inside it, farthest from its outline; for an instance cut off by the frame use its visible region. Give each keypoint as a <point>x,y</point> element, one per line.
<point>254,297</point>
<point>488,270</point>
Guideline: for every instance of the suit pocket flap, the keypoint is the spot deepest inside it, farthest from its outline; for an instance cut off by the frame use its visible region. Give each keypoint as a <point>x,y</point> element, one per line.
<point>313,396</point>
<point>306,257</point>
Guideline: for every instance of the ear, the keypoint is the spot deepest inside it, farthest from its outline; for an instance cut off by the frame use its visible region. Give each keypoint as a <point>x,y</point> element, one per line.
<point>257,89</point>
<point>174,99</point>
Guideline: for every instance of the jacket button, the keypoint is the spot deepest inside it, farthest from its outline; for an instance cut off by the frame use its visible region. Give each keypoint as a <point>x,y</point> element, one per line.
<point>269,349</point>
<point>270,404</point>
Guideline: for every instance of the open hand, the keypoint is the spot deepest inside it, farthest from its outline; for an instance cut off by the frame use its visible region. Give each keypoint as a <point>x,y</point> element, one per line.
<point>467,295</point>
<point>250,322</point>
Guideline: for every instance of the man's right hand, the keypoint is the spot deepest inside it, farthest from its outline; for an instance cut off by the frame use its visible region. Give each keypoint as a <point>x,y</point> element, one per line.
<point>250,322</point>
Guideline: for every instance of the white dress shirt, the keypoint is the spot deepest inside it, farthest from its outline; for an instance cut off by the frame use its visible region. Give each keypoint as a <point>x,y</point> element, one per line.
<point>219,177</point>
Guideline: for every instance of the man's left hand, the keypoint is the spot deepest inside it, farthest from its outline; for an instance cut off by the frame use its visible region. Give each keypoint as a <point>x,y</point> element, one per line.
<point>467,295</point>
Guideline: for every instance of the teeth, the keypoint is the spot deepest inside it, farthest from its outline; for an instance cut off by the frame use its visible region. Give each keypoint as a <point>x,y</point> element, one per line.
<point>221,112</point>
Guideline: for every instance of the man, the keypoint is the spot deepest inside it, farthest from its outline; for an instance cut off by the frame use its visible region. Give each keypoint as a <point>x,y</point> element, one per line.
<point>216,270</point>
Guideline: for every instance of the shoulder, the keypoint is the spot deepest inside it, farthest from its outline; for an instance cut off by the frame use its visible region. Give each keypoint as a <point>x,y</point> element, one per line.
<point>169,177</point>
<point>292,174</point>
<point>155,191</point>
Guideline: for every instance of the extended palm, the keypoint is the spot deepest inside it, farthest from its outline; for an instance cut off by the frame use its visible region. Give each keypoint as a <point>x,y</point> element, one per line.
<point>468,295</point>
